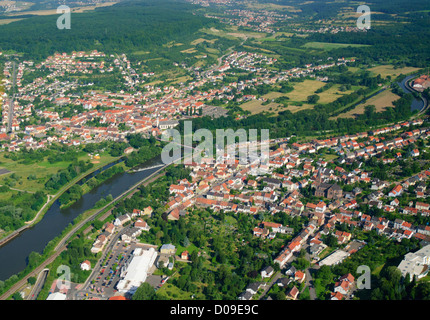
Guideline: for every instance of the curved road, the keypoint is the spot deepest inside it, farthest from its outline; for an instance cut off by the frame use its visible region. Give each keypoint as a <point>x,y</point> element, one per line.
<point>33,273</point>
<point>40,282</point>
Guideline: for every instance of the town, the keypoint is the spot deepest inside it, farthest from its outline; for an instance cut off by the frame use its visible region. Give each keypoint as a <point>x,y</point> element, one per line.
<point>109,115</point>
<point>293,169</point>
<point>337,207</point>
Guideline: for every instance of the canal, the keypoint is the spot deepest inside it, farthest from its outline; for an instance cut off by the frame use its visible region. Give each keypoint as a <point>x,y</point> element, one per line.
<point>14,254</point>
<point>416,104</point>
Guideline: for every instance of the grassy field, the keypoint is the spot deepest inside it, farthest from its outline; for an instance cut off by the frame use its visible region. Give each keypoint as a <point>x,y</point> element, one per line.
<point>389,70</point>
<point>172,44</point>
<point>297,98</point>
<point>296,108</point>
<point>42,170</point>
<point>255,106</point>
<point>333,93</point>
<point>330,46</point>
<point>330,157</point>
<point>271,6</point>
<point>54,11</point>
<point>304,89</point>
<point>381,101</point>
<point>353,69</point>
<point>200,40</point>
<point>278,34</point>
<point>180,79</point>
<point>190,50</point>
<point>190,248</point>
<point>232,33</point>
<point>6,21</point>
<point>174,292</point>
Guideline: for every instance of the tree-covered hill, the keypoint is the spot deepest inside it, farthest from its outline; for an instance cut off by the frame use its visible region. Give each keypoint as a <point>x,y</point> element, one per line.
<point>125,27</point>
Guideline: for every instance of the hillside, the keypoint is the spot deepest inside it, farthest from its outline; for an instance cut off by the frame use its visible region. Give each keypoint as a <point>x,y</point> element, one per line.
<point>125,27</point>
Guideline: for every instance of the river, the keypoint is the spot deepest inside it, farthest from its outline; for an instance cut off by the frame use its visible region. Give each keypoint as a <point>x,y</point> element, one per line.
<point>14,254</point>
<point>416,104</point>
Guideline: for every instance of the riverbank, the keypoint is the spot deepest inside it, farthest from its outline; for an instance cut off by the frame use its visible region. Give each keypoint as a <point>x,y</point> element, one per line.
<point>94,182</point>
<point>425,102</point>
<point>51,199</point>
<point>83,221</point>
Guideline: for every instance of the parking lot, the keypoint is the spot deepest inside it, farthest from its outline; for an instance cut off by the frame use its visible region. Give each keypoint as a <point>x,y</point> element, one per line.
<point>103,284</point>
<point>110,273</point>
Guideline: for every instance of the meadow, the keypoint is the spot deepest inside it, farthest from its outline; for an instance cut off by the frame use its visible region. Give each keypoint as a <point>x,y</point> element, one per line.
<point>381,101</point>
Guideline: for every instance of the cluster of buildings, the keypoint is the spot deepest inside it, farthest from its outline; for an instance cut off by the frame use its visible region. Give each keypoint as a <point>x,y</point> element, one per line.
<point>364,145</point>
<point>343,287</point>
<point>139,225</point>
<point>330,29</point>
<point>257,187</point>
<point>214,182</point>
<point>149,112</point>
<point>257,20</point>
<point>422,83</point>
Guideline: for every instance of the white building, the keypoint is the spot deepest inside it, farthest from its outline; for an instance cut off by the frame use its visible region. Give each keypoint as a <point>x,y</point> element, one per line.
<point>56,296</point>
<point>86,265</point>
<point>416,264</point>
<point>335,258</point>
<point>135,273</point>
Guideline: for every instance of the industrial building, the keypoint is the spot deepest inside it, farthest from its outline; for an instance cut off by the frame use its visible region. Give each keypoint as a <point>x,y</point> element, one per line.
<point>135,273</point>
<point>416,264</point>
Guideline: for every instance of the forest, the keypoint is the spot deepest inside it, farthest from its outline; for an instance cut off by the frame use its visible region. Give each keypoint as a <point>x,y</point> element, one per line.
<point>309,122</point>
<point>125,27</point>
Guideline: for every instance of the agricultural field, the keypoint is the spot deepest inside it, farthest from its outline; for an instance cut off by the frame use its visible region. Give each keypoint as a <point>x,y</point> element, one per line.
<point>334,93</point>
<point>233,33</point>
<point>297,98</point>
<point>389,70</point>
<point>173,44</point>
<point>381,101</point>
<point>54,11</point>
<point>200,40</point>
<point>6,21</point>
<point>304,89</point>
<point>190,50</point>
<point>331,46</point>
<point>255,106</point>
<point>271,6</point>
